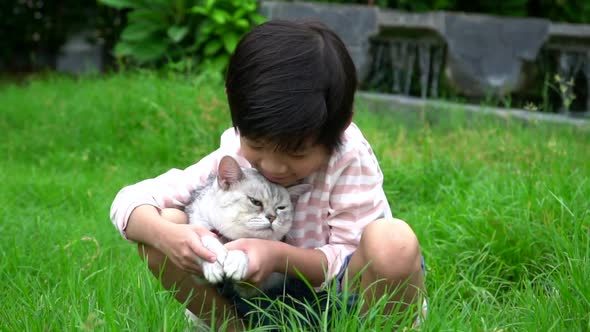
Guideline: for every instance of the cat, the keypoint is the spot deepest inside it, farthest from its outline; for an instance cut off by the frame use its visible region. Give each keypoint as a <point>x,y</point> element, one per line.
<point>239,203</point>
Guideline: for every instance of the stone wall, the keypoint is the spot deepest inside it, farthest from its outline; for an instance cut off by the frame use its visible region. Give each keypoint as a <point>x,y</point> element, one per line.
<point>478,55</point>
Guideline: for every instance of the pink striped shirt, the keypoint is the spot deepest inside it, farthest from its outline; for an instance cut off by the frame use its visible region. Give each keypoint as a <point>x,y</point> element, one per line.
<point>347,194</point>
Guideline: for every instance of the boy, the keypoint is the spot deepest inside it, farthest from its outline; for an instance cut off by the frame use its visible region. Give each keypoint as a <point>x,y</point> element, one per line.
<point>290,88</point>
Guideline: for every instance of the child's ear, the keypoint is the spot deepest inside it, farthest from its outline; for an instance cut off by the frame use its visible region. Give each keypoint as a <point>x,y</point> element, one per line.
<point>228,172</point>
<point>298,190</point>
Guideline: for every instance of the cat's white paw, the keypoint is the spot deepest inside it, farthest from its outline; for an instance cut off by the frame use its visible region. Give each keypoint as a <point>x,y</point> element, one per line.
<point>215,247</point>
<point>214,272</point>
<point>236,265</point>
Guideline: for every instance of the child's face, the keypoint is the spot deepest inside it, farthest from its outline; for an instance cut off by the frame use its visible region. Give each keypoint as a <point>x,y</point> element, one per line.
<point>284,168</point>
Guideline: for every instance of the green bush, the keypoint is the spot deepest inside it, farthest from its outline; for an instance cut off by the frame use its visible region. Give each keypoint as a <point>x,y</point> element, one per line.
<point>183,33</point>
<point>563,10</point>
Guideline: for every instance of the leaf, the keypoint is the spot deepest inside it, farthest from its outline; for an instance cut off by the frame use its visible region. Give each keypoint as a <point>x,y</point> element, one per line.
<point>219,16</point>
<point>149,51</point>
<point>177,33</point>
<point>120,4</point>
<point>206,28</point>
<point>216,64</point>
<point>200,39</point>
<point>161,4</point>
<point>258,19</point>
<point>212,47</point>
<point>249,6</point>
<point>239,13</point>
<point>242,23</point>
<point>138,31</point>
<point>200,10</point>
<point>230,40</point>
<point>147,16</point>
<point>219,63</point>
<point>123,49</point>
<point>209,4</point>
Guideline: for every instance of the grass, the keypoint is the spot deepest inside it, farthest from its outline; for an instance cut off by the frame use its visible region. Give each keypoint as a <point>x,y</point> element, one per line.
<point>500,207</point>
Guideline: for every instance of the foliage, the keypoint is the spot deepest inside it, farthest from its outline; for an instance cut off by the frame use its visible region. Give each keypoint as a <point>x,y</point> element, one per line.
<point>563,10</point>
<point>503,8</point>
<point>183,32</point>
<point>565,89</point>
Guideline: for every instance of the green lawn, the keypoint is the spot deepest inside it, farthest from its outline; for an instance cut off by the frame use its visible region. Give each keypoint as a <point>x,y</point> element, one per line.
<point>502,208</point>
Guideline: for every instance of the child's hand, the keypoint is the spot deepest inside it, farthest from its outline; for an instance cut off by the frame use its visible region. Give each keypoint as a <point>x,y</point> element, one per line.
<point>182,244</point>
<point>261,258</point>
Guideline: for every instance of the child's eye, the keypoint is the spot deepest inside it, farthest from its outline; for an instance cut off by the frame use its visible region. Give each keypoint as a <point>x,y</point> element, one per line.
<point>297,156</point>
<point>255,201</point>
<point>254,145</point>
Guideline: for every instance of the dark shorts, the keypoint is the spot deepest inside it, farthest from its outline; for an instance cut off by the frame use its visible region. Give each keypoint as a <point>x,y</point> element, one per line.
<point>307,304</point>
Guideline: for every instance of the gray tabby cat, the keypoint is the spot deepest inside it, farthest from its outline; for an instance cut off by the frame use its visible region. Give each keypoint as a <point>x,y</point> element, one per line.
<point>240,203</point>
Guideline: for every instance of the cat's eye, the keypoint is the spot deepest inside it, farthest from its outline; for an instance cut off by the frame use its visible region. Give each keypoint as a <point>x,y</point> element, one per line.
<point>281,207</point>
<point>255,201</point>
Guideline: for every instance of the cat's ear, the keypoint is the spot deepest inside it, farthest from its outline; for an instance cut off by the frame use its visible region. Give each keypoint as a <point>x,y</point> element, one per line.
<point>228,172</point>
<point>298,190</point>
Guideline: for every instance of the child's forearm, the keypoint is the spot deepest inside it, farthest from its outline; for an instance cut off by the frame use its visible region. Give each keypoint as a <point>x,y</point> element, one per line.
<point>311,263</point>
<point>146,225</point>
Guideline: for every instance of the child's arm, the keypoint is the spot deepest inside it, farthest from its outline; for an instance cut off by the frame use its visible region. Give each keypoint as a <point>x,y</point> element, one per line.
<point>265,257</point>
<point>180,242</point>
<point>171,189</point>
<point>356,199</point>
<point>136,212</point>
<point>311,263</point>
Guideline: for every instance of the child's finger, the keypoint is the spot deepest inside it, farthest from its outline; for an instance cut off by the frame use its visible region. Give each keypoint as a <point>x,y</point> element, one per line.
<point>216,247</point>
<point>202,252</point>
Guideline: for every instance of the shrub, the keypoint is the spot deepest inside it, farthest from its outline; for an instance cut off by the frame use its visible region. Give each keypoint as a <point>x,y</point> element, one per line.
<point>183,33</point>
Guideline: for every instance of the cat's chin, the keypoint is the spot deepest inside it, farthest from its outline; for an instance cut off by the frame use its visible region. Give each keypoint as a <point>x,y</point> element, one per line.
<point>266,234</point>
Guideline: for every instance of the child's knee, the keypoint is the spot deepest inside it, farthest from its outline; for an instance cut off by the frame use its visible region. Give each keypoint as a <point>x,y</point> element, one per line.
<point>174,215</point>
<point>392,247</point>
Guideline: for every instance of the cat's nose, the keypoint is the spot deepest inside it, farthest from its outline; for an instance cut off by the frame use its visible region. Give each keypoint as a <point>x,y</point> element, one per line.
<point>271,218</point>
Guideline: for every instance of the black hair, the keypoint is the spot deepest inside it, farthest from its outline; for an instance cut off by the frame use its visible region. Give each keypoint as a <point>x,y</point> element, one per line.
<point>291,80</point>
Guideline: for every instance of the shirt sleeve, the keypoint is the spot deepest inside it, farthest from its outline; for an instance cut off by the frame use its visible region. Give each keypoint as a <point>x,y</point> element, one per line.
<point>171,189</point>
<point>355,200</point>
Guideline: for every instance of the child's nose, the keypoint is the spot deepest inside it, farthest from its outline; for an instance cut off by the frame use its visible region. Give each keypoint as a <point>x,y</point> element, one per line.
<point>273,167</point>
